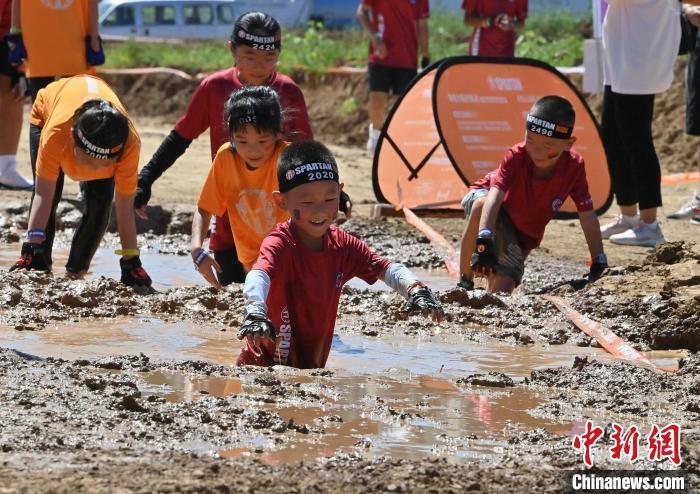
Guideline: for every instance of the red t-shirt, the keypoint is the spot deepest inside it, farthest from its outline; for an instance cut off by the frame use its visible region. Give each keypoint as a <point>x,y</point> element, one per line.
<point>206,111</point>
<point>492,41</point>
<point>531,203</point>
<point>5,17</point>
<point>305,290</point>
<point>396,20</point>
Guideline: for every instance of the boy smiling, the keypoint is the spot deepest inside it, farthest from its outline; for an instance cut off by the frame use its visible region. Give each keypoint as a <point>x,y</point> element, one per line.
<point>510,207</point>
<point>293,290</point>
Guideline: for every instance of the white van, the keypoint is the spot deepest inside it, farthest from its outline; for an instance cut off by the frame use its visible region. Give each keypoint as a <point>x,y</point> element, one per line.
<point>190,19</point>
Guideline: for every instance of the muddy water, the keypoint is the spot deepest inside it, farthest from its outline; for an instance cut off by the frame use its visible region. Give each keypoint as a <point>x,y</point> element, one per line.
<point>170,271</point>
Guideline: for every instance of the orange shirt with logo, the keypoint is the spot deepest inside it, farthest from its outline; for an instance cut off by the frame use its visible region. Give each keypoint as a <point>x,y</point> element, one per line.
<point>53,111</point>
<point>54,34</point>
<point>246,194</point>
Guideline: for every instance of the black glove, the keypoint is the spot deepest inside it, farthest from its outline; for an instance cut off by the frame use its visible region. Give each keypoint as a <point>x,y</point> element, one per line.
<point>16,52</point>
<point>257,325</point>
<point>424,62</point>
<point>422,300</point>
<point>94,57</point>
<point>345,203</point>
<point>143,193</point>
<point>598,265</point>
<point>33,258</point>
<point>484,258</point>
<point>465,283</point>
<point>133,273</point>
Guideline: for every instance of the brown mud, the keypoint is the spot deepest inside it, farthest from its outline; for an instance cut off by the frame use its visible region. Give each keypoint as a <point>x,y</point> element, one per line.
<point>105,390</point>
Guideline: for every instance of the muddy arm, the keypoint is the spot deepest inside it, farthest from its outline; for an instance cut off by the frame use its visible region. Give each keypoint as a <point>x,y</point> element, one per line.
<point>494,199</point>
<point>126,223</point>
<point>591,230</point>
<point>41,205</point>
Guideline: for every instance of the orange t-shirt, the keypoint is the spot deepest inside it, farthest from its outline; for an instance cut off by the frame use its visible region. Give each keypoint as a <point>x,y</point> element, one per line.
<point>247,196</point>
<point>54,34</point>
<point>53,111</point>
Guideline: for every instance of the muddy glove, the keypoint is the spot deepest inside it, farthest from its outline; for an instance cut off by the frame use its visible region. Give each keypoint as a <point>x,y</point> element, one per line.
<point>143,194</point>
<point>133,274</point>
<point>424,62</point>
<point>422,300</point>
<point>257,324</point>
<point>598,265</point>
<point>94,57</point>
<point>465,283</point>
<point>345,204</point>
<point>16,52</point>
<point>484,259</point>
<point>33,258</point>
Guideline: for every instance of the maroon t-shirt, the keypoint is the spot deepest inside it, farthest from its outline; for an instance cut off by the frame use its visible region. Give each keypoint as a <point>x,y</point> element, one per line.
<point>206,111</point>
<point>5,17</point>
<point>396,20</point>
<point>492,41</point>
<point>531,203</point>
<point>305,290</point>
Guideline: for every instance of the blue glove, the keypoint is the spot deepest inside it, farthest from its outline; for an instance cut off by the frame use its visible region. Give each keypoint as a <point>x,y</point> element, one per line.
<point>16,52</point>
<point>94,57</point>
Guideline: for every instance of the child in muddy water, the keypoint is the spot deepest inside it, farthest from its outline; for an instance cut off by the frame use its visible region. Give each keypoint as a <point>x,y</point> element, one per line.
<point>292,292</point>
<point>241,179</point>
<point>510,207</point>
<point>80,129</point>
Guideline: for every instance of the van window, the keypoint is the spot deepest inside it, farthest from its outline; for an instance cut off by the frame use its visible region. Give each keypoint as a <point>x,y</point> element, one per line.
<point>121,16</point>
<point>158,15</point>
<point>225,14</point>
<point>198,14</point>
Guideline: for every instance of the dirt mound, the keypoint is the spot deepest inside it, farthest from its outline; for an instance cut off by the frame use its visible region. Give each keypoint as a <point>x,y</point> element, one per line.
<point>337,104</point>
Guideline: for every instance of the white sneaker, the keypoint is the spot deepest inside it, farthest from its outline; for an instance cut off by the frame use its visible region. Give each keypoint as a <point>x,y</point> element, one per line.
<point>687,210</point>
<point>621,224</point>
<point>644,234</point>
<point>695,220</point>
<point>372,139</point>
<point>11,179</point>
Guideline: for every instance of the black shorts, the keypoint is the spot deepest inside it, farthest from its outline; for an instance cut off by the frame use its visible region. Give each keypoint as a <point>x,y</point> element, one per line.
<point>692,94</point>
<point>383,78</point>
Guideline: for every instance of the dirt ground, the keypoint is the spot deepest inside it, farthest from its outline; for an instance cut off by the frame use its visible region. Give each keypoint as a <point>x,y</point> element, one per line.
<point>93,424</point>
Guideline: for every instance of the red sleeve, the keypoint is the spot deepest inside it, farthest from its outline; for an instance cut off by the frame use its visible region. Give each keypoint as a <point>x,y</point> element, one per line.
<point>361,261</point>
<point>470,6</point>
<point>423,10</point>
<point>521,9</point>
<point>272,257</point>
<point>297,126</point>
<point>579,193</point>
<point>502,179</point>
<point>196,119</point>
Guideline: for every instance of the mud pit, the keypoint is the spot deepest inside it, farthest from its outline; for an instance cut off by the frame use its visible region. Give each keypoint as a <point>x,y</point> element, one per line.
<point>103,389</point>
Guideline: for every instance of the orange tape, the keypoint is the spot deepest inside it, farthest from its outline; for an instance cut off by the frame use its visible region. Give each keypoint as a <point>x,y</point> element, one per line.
<point>439,243</point>
<point>677,178</point>
<point>615,345</point>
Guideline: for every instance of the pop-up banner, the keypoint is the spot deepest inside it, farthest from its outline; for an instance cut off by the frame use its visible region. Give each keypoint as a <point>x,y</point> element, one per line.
<point>456,121</point>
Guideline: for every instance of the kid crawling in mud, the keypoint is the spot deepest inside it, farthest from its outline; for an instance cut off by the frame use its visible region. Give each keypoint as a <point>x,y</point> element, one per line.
<point>510,207</point>
<point>242,178</point>
<point>293,290</point>
<point>79,128</point>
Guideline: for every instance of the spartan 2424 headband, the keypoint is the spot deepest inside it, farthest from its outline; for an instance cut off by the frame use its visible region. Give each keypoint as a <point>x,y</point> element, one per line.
<point>546,128</point>
<point>264,43</point>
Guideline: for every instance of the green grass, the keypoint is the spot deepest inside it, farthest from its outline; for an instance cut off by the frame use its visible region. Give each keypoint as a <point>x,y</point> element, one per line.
<point>556,38</point>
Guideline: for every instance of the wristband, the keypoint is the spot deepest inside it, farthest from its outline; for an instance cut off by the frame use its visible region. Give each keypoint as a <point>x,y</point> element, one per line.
<point>36,233</point>
<point>200,257</point>
<point>127,252</point>
<point>487,22</point>
<point>485,233</point>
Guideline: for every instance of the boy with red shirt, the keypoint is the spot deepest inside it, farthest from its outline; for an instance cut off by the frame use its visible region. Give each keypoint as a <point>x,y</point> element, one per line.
<point>293,290</point>
<point>510,207</point>
<point>397,29</point>
<point>494,23</point>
